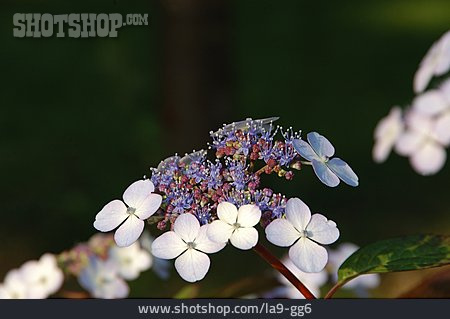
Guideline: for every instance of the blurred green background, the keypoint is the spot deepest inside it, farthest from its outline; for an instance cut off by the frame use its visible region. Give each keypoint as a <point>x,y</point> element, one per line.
<point>81,119</point>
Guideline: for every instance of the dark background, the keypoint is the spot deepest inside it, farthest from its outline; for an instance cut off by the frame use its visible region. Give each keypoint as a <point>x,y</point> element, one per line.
<point>81,119</point>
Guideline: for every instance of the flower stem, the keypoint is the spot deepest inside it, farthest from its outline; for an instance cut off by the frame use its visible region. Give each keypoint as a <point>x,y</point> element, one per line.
<point>332,291</point>
<point>277,265</point>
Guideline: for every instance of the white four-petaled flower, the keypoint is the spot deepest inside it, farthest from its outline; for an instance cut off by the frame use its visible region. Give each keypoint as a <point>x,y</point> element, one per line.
<point>42,277</point>
<point>235,225</point>
<point>14,286</point>
<point>131,260</point>
<point>304,233</point>
<point>142,204</point>
<point>423,143</point>
<point>189,244</point>
<point>318,152</point>
<point>102,280</point>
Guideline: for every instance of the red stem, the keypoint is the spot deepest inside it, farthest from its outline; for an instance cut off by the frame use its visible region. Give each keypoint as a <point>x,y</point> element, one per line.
<point>277,265</point>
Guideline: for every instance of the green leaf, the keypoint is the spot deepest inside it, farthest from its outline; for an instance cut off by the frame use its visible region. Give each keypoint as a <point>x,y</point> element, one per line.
<point>398,254</point>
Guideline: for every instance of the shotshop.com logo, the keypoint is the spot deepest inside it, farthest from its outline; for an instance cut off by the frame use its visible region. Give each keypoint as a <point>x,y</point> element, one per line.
<point>73,25</point>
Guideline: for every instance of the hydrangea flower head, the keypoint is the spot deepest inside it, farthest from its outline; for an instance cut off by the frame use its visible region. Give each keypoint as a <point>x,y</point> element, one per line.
<point>189,244</point>
<point>304,233</point>
<point>142,203</point>
<point>318,151</point>
<point>235,225</point>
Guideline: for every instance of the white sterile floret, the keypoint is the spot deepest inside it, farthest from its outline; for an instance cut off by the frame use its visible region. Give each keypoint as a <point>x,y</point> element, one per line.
<point>235,225</point>
<point>42,278</point>
<point>189,244</point>
<point>14,286</point>
<point>423,143</point>
<point>142,204</point>
<point>312,281</point>
<point>435,63</point>
<point>101,279</point>
<point>338,256</point>
<point>318,150</point>
<point>386,134</point>
<point>304,233</point>
<point>131,260</point>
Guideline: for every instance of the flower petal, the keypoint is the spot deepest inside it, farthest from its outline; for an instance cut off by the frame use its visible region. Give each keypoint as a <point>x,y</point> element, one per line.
<point>244,238</point>
<point>281,232</point>
<point>248,215</point>
<point>442,129</point>
<point>129,231</point>
<point>305,150</point>
<point>325,175</point>
<point>343,171</point>
<point>308,256</point>
<point>193,265</point>
<point>429,159</point>
<point>137,192</point>
<point>219,231</point>
<point>430,103</point>
<point>422,77</point>
<point>409,142</point>
<point>443,64</point>
<point>149,206</point>
<point>227,212</point>
<point>204,244</point>
<point>187,227</point>
<point>321,145</point>
<point>298,213</point>
<point>168,246</point>
<point>111,216</point>
<point>322,230</point>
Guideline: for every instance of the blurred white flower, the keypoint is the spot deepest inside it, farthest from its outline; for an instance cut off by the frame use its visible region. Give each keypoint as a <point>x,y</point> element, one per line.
<point>318,152</point>
<point>14,286</point>
<point>161,267</point>
<point>101,280</point>
<point>42,278</point>
<point>142,204</point>
<point>387,132</point>
<point>131,260</point>
<point>337,258</point>
<point>423,142</point>
<point>312,281</point>
<point>435,63</point>
<point>235,225</point>
<point>304,233</point>
<point>189,244</point>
